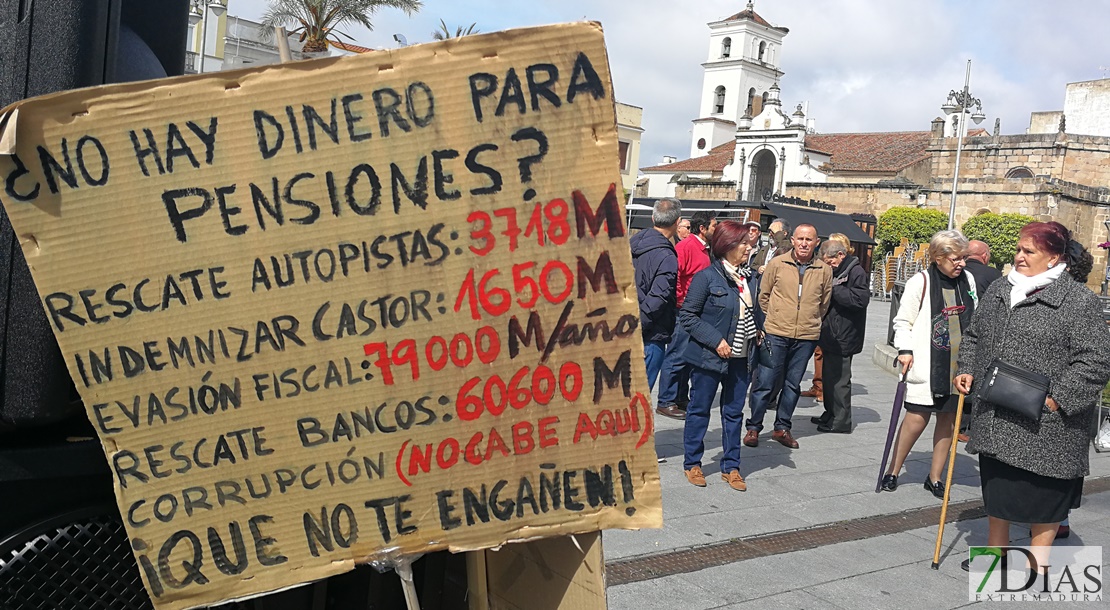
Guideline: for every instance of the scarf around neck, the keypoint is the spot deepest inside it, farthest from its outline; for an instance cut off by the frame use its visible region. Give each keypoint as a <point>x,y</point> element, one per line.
<point>947,326</point>
<point>1024,285</point>
<point>745,322</point>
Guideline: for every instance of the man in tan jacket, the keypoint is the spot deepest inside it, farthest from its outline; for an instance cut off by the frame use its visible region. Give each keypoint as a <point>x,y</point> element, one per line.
<point>794,294</point>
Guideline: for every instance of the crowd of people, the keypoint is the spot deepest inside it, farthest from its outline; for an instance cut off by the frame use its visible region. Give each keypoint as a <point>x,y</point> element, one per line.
<point>726,309</point>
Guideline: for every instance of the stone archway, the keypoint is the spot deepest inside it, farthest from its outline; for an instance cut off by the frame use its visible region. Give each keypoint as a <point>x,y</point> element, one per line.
<point>761,185</point>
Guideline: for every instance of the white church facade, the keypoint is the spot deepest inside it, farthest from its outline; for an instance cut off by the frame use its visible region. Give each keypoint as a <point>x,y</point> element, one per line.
<point>743,136</point>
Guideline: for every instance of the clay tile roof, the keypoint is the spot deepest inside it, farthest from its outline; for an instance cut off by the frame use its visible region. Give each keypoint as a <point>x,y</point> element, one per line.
<point>751,15</point>
<point>889,151</point>
<point>353,48</point>
<point>715,161</point>
<point>878,152</point>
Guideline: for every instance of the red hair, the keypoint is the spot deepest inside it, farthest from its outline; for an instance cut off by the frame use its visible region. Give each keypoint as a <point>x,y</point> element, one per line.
<point>727,236</point>
<point>1051,237</point>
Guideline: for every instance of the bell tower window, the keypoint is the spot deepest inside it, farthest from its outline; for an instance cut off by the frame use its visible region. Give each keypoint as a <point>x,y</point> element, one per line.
<point>726,48</point>
<point>719,100</point>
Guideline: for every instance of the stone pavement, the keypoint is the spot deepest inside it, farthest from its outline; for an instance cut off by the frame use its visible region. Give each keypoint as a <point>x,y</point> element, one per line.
<point>829,479</point>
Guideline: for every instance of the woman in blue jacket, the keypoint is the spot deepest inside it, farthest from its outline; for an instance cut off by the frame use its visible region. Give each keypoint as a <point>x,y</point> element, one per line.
<point>722,316</point>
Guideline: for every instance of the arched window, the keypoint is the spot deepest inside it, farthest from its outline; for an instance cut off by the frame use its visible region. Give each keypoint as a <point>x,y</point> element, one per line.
<point>764,98</point>
<point>751,101</point>
<point>762,50</point>
<point>726,47</point>
<point>1019,172</point>
<point>719,101</point>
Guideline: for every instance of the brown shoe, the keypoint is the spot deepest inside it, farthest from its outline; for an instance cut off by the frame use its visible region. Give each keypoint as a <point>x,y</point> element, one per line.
<point>784,438</point>
<point>671,411</point>
<point>695,476</point>
<point>751,439</point>
<point>812,392</point>
<point>734,480</point>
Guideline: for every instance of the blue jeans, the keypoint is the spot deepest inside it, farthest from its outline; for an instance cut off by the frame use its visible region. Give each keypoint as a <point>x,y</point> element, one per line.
<point>790,357</point>
<point>703,387</point>
<point>653,360</point>
<point>674,378</point>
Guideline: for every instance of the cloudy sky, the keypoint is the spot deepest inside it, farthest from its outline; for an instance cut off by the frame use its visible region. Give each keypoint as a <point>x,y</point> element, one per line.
<point>863,65</point>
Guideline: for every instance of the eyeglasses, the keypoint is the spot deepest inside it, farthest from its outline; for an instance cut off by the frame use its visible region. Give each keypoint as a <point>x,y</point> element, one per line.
<point>957,260</point>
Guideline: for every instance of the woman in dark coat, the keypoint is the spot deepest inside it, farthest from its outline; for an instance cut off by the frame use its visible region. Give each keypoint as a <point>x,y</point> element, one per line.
<point>723,319</point>
<point>842,334</point>
<point>1045,320</point>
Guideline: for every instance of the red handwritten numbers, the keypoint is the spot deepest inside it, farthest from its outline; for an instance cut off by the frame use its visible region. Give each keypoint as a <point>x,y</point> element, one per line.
<point>555,214</point>
<point>495,395</point>
<point>460,351</point>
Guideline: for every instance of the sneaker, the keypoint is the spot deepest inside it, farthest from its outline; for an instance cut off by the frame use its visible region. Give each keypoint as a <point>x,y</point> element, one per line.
<point>695,476</point>
<point>734,480</point>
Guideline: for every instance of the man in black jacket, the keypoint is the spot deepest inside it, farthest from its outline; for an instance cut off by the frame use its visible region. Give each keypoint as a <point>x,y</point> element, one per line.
<point>656,265</point>
<point>978,263</point>
<point>842,335</point>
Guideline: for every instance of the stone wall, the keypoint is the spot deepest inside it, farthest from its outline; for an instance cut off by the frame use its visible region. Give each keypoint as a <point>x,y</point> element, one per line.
<point>711,190</point>
<point>852,198</point>
<point>1074,158</point>
<point>1075,206</point>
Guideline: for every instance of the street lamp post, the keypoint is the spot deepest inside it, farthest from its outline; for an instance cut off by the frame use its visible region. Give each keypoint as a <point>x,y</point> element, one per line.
<point>961,101</point>
<point>217,9</point>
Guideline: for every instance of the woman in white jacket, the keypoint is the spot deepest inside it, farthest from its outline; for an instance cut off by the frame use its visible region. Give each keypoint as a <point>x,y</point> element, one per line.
<point>936,309</point>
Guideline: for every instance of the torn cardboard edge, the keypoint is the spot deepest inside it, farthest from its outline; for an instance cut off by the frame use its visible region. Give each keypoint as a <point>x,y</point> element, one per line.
<point>9,123</point>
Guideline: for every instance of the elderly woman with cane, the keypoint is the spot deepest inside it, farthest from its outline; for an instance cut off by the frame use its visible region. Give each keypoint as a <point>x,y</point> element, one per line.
<point>1036,356</point>
<point>933,317</point>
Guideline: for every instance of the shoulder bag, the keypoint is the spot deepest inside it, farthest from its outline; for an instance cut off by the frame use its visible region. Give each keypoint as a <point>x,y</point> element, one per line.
<point>1015,389</point>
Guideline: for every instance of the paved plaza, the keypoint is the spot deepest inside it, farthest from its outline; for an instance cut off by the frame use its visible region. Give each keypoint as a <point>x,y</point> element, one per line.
<point>825,486</point>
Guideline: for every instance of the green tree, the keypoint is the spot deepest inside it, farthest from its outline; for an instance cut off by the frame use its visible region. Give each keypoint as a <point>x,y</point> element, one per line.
<point>317,21</point>
<point>999,231</point>
<point>443,32</point>
<point>918,225</point>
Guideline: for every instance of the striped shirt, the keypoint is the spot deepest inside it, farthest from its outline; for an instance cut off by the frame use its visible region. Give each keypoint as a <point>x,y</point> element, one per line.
<point>745,322</point>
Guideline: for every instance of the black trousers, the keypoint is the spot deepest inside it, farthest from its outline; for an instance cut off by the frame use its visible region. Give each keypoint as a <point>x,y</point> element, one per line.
<point>838,391</point>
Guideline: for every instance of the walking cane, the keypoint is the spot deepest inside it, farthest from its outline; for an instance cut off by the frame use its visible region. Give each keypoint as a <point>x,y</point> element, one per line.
<point>948,481</point>
<point>895,412</point>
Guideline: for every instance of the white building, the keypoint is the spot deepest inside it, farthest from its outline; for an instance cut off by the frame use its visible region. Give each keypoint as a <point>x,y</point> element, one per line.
<point>1086,111</point>
<point>742,66</point>
<point>743,135</point>
<point>629,129</point>
<point>749,147</point>
<point>227,42</point>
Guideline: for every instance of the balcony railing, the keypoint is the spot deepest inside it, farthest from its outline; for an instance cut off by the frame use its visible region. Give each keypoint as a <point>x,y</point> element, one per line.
<point>191,62</point>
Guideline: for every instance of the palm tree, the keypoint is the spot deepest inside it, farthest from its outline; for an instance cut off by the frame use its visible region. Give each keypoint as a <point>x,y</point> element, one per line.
<point>443,33</point>
<point>317,21</point>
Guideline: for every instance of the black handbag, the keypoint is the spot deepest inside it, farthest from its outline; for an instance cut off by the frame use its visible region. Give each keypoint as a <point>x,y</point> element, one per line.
<point>763,356</point>
<point>1015,389</point>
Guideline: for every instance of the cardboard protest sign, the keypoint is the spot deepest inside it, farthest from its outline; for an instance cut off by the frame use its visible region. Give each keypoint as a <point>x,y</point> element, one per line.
<point>345,310</point>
